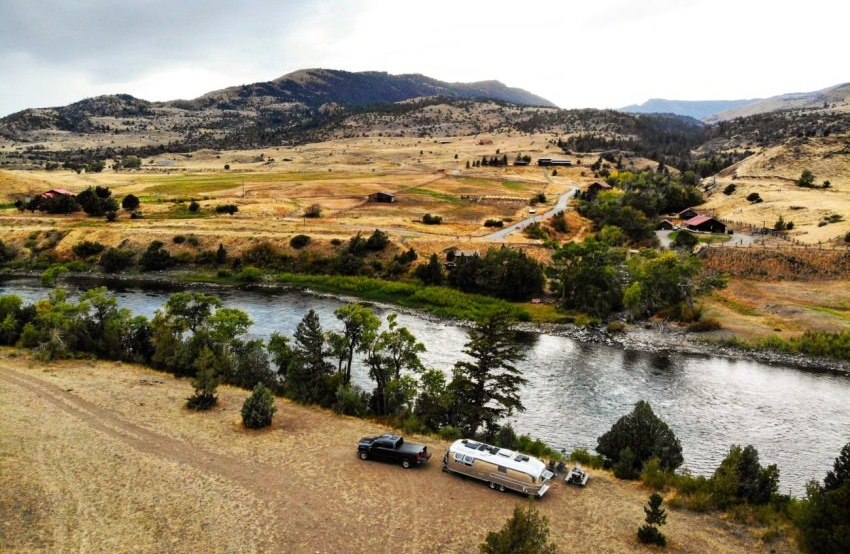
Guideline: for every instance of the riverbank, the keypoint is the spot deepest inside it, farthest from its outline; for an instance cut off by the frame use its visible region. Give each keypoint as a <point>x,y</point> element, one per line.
<point>647,337</point>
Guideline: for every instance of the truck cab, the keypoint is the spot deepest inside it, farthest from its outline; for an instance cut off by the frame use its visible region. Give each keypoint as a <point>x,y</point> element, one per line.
<point>393,448</point>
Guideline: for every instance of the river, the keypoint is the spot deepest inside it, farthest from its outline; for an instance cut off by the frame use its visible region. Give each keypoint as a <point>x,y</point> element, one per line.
<point>796,419</point>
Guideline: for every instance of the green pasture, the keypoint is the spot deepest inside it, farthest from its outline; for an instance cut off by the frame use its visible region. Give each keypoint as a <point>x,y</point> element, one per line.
<point>204,183</point>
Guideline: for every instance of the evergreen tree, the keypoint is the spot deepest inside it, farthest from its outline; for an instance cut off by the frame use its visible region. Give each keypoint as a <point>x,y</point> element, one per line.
<point>646,436</point>
<point>220,255</point>
<point>431,273</point>
<point>655,517</point>
<point>205,383</point>
<point>307,377</point>
<point>486,389</point>
<point>825,521</point>
<point>527,532</point>
<point>259,408</point>
<point>741,478</point>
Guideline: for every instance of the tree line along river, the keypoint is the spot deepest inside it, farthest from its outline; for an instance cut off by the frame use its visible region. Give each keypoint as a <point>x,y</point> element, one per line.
<point>796,419</point>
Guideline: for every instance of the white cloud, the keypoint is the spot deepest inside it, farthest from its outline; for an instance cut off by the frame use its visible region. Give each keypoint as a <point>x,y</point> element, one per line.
<point>606,53</point>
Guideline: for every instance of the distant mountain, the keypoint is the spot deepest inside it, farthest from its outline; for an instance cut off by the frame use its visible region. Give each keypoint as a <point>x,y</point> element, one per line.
<point>698,109</point>
<point>831,98</point>
<point>258,113</point>
<point>314,88</point>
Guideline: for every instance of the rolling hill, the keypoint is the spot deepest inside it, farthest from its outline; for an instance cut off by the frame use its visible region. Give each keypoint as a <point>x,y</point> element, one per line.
<point>830,99</point>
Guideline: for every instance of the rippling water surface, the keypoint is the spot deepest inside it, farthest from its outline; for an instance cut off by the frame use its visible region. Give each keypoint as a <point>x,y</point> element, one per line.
<point>796,419</point>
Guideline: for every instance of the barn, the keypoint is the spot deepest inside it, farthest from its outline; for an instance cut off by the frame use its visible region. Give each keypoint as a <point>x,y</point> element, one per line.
<point>382,197</point>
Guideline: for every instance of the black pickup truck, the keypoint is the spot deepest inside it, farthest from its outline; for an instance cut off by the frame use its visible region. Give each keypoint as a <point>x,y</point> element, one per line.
<point>392,448</point>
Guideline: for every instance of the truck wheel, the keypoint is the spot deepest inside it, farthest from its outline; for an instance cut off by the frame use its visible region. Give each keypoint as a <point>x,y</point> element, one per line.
<point>363,455</point>
<point>405,463</point>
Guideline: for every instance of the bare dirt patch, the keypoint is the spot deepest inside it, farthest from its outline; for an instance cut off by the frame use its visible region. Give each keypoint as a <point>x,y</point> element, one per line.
<point>103,457</point>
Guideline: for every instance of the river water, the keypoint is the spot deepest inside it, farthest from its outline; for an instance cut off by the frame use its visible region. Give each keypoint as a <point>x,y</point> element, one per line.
<point>796,419</point>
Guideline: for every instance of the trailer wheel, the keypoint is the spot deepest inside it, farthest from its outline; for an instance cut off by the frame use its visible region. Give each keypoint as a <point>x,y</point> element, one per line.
<point>501,488</point>
<point>363,455</point>
<point>405,463</point>
<point>492,485</point>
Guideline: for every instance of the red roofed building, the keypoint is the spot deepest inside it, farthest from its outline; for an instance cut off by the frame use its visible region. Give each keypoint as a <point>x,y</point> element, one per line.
<point>705,224</point>
<point>52,193</point>
<point>595,188</point>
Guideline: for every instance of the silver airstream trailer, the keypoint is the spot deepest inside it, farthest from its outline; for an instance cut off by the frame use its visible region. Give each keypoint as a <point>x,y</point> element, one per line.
<point>501,468</point>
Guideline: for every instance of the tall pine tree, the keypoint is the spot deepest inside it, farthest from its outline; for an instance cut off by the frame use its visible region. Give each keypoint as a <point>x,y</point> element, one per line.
<point>486,388</point>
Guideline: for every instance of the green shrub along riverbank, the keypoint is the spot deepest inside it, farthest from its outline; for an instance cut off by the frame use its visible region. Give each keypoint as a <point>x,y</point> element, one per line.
<point>440,301</point>
<point>811,343</point>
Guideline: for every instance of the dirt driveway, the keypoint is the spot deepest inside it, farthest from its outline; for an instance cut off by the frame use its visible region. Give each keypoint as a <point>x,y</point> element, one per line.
<point>103,457</point>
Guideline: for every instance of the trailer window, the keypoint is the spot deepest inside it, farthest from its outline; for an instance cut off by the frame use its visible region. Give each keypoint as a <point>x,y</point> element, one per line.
<point>468,460</point>
<point>503,469</point>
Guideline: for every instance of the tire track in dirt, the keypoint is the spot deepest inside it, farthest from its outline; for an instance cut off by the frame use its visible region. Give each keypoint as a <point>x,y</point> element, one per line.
<point>259,479</point>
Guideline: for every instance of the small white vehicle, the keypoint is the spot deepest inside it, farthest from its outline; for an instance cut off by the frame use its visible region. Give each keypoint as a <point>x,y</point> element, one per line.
<point>577,476</point>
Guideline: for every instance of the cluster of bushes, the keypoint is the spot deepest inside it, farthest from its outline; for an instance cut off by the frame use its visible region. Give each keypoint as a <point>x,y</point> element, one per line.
<point>228,209</point>
<point>429,219</point>
<point>502,272</point>
<point>641,445</point>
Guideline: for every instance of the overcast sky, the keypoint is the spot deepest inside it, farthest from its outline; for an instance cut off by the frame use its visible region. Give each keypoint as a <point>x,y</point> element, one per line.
<point>597,53</point>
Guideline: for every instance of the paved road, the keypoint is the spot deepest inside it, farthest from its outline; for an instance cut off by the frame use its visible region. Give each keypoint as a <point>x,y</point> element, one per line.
<point>559,206</point>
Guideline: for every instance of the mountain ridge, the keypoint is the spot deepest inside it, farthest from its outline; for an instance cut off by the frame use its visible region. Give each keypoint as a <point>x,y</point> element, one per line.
<point>698,109</point>
<point>713,111</point>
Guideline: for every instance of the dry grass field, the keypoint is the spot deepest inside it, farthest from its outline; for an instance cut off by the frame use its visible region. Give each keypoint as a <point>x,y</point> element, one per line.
<point>104,457</point>
<point>273,187</point>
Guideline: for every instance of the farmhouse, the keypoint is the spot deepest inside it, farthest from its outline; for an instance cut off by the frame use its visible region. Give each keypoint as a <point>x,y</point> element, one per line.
<point>705,224</point>
<point>687,213</point>
<point>595,188</point>
<point>665,225</point>
<point>456,256</point>
<point>382,197</point>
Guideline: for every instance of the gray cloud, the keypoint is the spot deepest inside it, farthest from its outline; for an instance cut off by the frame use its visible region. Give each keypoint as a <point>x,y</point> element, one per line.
<point>114,41</point>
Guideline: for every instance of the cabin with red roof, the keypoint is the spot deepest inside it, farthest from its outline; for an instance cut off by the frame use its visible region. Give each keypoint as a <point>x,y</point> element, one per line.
<point>705,224</point>
<point>52,193</point>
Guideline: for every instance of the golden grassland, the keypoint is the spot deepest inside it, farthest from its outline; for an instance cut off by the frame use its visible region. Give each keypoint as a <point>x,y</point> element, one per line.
<point>104,457</point>
<point>273,187</point>
<point>772,173</point>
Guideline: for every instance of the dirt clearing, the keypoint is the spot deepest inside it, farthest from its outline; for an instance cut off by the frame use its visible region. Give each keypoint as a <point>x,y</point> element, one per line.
<point>103,457</point>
